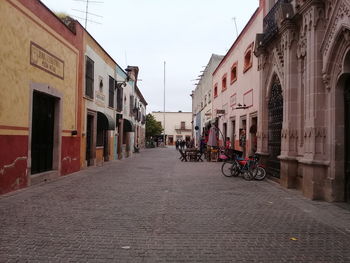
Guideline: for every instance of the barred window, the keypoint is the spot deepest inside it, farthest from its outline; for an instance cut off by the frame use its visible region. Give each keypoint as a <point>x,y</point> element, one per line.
<point>111,92</point>
<point>89,78</point>
<point>119,97</point>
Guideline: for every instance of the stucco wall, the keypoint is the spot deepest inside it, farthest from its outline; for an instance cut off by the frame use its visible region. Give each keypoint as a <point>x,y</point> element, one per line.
<point>245,90</point>
<point>173,120</point>
<point>20,28</point>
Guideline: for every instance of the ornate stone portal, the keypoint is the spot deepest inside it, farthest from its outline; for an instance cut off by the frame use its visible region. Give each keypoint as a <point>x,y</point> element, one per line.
<point>305,45</point>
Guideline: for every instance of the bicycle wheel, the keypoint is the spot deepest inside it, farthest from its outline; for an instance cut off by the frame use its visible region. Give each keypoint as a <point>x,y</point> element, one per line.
<point>248,175</point>
<point>259,173</point>
<point>235,169</point>
<point>226,169</point>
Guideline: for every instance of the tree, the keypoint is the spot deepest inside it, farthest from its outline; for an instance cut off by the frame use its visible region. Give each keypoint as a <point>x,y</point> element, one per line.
<point>153,127</point>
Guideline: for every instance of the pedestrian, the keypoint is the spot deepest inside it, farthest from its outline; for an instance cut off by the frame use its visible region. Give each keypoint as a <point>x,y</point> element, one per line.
<point>183,144</point>
<point>228,143</point>
<point>202,145</point>
<point>177,144</point>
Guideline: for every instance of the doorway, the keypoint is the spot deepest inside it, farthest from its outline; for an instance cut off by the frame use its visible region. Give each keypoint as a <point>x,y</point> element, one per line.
<point>275,107</point>
<point>43,132</point>
<point>233,135</point>
<point>171,140</point>
<point>224,134</point>
<point>90,140</point>
<point>347,137</point>
<point>253,138</point>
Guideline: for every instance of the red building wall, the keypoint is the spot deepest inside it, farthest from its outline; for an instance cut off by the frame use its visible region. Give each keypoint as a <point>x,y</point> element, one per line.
<point>14,148</point>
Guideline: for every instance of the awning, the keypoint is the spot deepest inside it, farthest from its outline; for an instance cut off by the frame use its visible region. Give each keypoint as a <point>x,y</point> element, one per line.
<point>128,126</point>
<point>106,121</point>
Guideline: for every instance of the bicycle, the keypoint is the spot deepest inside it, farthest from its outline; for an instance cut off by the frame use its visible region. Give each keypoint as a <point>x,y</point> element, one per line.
<point>248,167</point>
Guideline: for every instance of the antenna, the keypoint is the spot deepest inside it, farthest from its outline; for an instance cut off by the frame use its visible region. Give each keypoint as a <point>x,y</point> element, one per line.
<point>126,58</point>
<point>86,12</point>
<point>234,20</point>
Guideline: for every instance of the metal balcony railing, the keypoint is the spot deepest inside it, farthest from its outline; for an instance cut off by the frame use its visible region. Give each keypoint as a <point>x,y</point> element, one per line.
<point>270,21</point>
<point>183,127</point>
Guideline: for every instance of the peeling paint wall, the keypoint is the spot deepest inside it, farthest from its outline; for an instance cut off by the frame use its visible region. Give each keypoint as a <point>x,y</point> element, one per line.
<point>27,25</point>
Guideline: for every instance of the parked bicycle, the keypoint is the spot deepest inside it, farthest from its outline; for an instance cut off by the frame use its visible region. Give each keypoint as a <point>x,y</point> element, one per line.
<point>249,167</point>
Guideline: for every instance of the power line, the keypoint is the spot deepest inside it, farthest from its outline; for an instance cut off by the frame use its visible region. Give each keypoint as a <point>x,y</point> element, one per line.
<point>86,12</point>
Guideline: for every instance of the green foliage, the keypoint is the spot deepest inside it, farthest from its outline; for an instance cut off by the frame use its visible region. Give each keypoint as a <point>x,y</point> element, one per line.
<point>153,127</point>
<point>61,15</point>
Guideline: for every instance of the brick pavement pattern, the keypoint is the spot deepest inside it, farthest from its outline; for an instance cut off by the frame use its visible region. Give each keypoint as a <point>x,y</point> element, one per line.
<point>155,208</point>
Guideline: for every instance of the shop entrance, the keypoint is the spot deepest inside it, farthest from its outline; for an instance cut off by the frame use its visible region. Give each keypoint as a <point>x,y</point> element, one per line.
<point>42,142</point>
<point>275,107</point>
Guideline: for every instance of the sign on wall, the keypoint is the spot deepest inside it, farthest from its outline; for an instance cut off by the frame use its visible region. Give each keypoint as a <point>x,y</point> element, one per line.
<point>248,98</point>
<point>47,62</point>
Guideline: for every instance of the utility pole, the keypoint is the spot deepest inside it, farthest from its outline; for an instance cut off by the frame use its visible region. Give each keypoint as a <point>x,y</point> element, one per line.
<point>164,107</point>
<point>86,13</point>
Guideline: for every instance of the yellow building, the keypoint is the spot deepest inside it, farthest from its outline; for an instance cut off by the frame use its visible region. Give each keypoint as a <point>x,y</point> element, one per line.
<point>40,71</point>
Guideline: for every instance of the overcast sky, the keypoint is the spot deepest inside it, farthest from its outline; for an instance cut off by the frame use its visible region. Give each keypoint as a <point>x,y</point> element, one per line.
<point>145,33</point>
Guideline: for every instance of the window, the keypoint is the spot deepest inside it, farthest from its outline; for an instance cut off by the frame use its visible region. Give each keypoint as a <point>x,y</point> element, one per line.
<point>119,97</point>
<point>234,72</point>
<point>89,78</point>
<point>183,125</point>
<point>248,58</point>
<point>111,92</point>
<point>131,105</point>
<point>224,83</point>
<point>215,90</point>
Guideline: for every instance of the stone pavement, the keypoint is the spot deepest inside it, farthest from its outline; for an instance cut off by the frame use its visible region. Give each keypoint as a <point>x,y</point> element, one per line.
<point>154,208</point>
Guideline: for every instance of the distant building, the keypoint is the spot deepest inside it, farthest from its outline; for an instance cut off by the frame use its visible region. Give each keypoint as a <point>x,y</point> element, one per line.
<point>178,125</point>
<point>202,98</point>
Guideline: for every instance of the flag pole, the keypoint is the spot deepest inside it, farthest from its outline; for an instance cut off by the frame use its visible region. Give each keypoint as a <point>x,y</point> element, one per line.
<point>164,108</point>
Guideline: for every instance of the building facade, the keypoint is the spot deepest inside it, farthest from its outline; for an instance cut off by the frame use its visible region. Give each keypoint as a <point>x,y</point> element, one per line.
<point>41,86</point>
<point>202,98</point>
<point>99,104</point>
<point>235,90</point>
<point>303,122</point>
<point>62,101</point>
<point>140,120</point>
<point>178,125</point>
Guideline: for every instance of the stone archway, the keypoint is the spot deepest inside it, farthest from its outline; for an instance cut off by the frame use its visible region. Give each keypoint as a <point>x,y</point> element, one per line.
<point>275,121</point>
<point>346,100</point>
<point>347,137</point>
<point>341,133</point>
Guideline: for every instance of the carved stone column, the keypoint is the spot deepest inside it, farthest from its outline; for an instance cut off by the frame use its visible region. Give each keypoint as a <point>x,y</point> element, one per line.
<point>313,161</point>
<point>263,111</point>
<point>288,157</point>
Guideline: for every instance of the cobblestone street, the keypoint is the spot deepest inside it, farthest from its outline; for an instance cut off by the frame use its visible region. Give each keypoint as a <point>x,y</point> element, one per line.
<point>154,208</point>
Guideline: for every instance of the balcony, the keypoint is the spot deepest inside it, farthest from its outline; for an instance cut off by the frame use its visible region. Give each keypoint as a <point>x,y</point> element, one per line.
<point>183,128</point>
<point>270,25</point>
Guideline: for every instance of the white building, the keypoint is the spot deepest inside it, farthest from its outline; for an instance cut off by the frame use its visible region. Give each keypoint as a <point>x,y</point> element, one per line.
<point>178,125</point>
<point>202,97</point>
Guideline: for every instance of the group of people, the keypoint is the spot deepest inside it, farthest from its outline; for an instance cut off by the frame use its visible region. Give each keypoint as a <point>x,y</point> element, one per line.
<point>181,144</point>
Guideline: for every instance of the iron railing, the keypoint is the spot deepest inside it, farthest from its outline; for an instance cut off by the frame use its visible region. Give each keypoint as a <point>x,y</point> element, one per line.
<point>270,21</point>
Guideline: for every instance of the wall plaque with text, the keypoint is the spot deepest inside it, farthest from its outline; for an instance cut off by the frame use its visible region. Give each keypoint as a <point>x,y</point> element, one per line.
<point>44,60</point>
